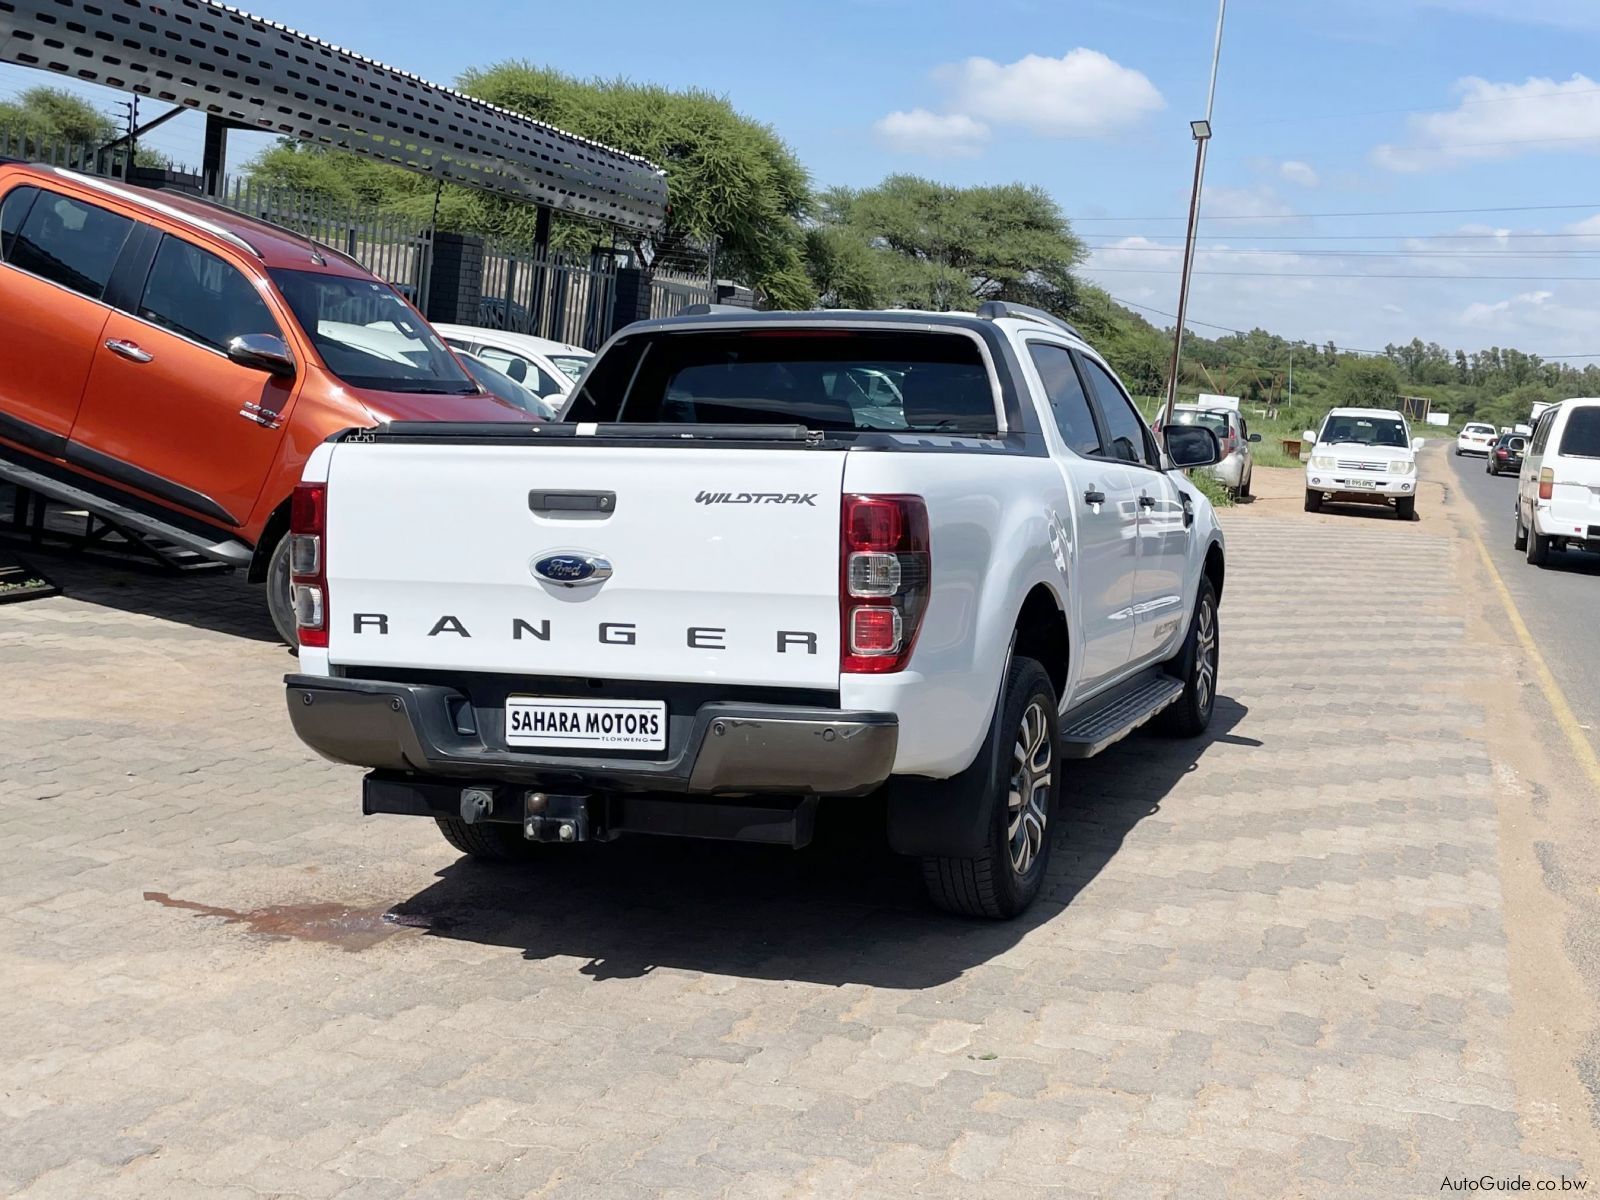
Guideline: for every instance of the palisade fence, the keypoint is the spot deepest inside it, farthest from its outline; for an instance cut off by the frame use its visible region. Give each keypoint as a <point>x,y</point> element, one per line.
<point>549,294</point>
<point>566,297</point>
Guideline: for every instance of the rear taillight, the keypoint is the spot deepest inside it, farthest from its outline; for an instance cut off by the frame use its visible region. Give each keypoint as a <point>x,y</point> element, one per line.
<point>884,577</point>
<point>1547,483</point>
<point>1501,454</point>
<point>308,561</point>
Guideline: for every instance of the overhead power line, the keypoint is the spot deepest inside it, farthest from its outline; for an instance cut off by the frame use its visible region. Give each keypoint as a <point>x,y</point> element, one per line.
<point>1355,275</point>
<point>1351,237</point>
<point>1389,212</point>
<point>1505,255</point>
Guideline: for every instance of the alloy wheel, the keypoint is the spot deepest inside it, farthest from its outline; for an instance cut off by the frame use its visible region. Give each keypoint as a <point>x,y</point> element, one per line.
<point>1205,668</point>
<point>1032,777</point>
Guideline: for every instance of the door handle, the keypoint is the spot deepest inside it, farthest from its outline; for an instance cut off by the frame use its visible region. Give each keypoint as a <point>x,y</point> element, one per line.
<point>1146,501</point>
<point>128,350</point>
<point>1094,497</point>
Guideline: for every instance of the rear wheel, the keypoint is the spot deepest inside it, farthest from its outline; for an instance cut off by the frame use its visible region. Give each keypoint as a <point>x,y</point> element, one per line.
<point>1538,547</point>
<point>1313,501</point>
<point>1406,508</point>
<point>488,842</point>
<point>1196,664</point>
<point>280,601</point>
<point>1520,541</point>
<point>1023,790</point>
<point>1244,488</point>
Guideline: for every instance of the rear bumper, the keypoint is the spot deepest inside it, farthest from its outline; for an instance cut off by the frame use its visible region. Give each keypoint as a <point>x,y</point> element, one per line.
<point>731,747</point>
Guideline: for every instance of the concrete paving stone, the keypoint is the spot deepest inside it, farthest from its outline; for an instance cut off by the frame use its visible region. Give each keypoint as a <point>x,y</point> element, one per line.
<point>1242,982</point>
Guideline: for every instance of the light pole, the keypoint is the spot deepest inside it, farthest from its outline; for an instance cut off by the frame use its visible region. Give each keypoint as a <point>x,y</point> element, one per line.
<point>1202,137</point>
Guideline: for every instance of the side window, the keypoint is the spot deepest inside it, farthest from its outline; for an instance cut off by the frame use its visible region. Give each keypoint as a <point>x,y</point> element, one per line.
<point>1541,434</point>
<point>1244,430</point>
<point>1581,437</point>
<point>69,242</point>
<point>1074,417</point>
<point>1130,440</point>
<point>13,211</point>
<point>511,365</point>
<point>199,296</point>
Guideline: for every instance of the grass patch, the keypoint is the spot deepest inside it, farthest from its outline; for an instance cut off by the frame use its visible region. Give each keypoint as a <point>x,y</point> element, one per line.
<point>1212,488</point>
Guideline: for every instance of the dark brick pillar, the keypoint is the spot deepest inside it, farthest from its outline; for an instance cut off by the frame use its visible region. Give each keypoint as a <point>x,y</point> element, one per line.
<point>632,298</point>
<point>455,285</point>
<point>735,294</point>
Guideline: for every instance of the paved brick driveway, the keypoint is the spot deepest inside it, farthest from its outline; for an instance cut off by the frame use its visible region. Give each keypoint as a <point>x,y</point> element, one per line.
<point>217,978</point>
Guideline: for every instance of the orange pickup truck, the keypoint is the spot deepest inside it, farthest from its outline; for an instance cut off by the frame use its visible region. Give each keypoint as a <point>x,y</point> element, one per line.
<point>169,364</point>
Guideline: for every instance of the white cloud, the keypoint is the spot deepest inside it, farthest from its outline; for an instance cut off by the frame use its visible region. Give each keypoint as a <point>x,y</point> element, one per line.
<point>1084,93</point>
<point>1298,173</point>
<point>936,135</point>
<point>1498,121</point>
<point>1479,313</point>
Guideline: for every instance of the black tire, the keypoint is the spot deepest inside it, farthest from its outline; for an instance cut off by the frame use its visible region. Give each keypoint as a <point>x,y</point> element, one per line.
<point>1458,451</point>
<point>280,603</point>
<point>488,842</point>
<point>1196,664</point>
<point>1244,488</point>
<point>1538,547</point>
<point>1488,466</point>
<point>1520,538</point>
<point>1406,508</point>
<point>1313,501</point>
<point>1025,792</point>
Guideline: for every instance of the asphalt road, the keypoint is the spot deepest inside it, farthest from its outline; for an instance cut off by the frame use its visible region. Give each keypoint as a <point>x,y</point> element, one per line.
<point>1558,603</point>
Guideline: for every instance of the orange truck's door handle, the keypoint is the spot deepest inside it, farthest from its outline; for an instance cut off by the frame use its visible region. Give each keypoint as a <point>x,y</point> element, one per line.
<point>129,350</point>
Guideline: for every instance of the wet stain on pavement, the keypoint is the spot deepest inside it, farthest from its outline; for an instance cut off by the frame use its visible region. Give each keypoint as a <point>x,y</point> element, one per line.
<point>334,924</point>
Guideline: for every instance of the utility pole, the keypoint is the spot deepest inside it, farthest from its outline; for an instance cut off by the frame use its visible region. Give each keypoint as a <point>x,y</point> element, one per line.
<point>130,108</point>
<point>1290,400</point>
<point>1201,130</point>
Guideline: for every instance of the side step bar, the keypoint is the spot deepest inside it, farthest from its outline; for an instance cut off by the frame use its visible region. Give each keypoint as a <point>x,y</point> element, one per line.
<point>225,550</point>
<point>1104,720</point>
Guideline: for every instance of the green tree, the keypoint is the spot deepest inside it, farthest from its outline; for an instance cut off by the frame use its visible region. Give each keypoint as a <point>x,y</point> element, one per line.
<point>46,115</point>
<point>931,245</point>
<point>1365,383</point>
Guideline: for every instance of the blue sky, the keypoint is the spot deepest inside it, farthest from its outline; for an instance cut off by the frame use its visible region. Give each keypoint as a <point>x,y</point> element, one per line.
<point>1336,106</point>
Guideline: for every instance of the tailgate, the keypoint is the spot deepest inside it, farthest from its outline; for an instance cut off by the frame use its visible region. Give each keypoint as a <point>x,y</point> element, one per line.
<point>724,563</point>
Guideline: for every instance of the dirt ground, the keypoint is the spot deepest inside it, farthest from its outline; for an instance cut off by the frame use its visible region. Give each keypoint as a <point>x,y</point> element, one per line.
<point>1281,492</point>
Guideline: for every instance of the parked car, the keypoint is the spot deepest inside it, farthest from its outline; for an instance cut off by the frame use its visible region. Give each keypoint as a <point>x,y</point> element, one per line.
<point>1505,455</point>
<point>1558,490</point>
<point>549,369</point>
<point>1237,468</point>
<point>1363,456</point>
<point>503,387</point>
<point>1476,437</point>
<point>168,364</point>
<point>730,592</point>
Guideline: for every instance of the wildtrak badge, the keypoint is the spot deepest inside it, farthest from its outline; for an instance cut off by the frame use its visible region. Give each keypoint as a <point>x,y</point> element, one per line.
<point>809,498</point>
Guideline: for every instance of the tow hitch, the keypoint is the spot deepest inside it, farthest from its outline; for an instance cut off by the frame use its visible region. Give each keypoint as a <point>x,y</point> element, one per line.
<point>552,818</point>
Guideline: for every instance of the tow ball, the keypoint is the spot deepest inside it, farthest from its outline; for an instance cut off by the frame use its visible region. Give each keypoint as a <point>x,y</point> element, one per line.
<point>552,818</point>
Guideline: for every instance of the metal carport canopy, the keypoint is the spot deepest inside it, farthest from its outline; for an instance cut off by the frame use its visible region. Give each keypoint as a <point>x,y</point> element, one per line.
<point>262,75</point>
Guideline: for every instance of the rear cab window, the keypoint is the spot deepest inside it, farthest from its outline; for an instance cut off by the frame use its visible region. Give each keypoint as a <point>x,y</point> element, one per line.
<point>1581,437</point>
<point>827,380</point>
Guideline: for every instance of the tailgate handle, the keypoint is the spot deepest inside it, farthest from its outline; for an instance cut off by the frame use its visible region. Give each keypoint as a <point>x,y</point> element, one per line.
<point>561,503</point>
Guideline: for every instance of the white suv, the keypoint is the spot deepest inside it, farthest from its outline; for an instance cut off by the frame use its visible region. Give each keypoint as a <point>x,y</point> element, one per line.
<point>1558,491</point>
<point>1476,437</point>
<point>1363,456</point>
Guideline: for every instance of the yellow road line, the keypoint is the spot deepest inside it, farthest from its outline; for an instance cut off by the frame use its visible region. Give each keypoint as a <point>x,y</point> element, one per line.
<point>1553,695</point>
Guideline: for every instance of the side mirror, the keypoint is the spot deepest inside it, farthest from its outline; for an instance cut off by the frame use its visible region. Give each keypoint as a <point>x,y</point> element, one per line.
<point>1255,437</point>
<point>1418,444</point>
<point>1191,446</point>
<point>262,351</point>
<point>1309,436</point>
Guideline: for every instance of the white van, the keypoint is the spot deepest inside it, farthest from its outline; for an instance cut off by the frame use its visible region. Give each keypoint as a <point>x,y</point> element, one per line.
<point>1558,491</point>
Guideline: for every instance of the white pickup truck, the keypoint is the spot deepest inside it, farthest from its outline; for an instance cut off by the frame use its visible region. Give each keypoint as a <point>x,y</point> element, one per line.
<point>765,559</point>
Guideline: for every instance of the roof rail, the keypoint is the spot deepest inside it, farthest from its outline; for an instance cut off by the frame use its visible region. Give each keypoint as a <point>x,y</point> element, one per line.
<point>994,310</point>
<point>147,199</point>
<point>705,310</point>
<point>318,248</point>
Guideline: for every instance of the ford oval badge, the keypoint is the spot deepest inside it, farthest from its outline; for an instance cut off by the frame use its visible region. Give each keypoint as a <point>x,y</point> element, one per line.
<point>572,569</point>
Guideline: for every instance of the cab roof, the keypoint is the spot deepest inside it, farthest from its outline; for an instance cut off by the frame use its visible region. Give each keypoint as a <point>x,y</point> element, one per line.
<point>272,245</point>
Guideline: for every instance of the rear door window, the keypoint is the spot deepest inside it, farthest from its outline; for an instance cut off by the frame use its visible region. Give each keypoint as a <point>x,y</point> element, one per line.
<point>824,379</point>
<point>197,295</point>
<point>1068,402</point>
<point>13,211</point>
<point>1581,437</point>
<point>69,242</point>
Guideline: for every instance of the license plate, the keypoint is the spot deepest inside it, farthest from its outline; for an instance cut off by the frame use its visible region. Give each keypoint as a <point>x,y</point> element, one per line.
<point>1361,484</point>
<point>556,722</point>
